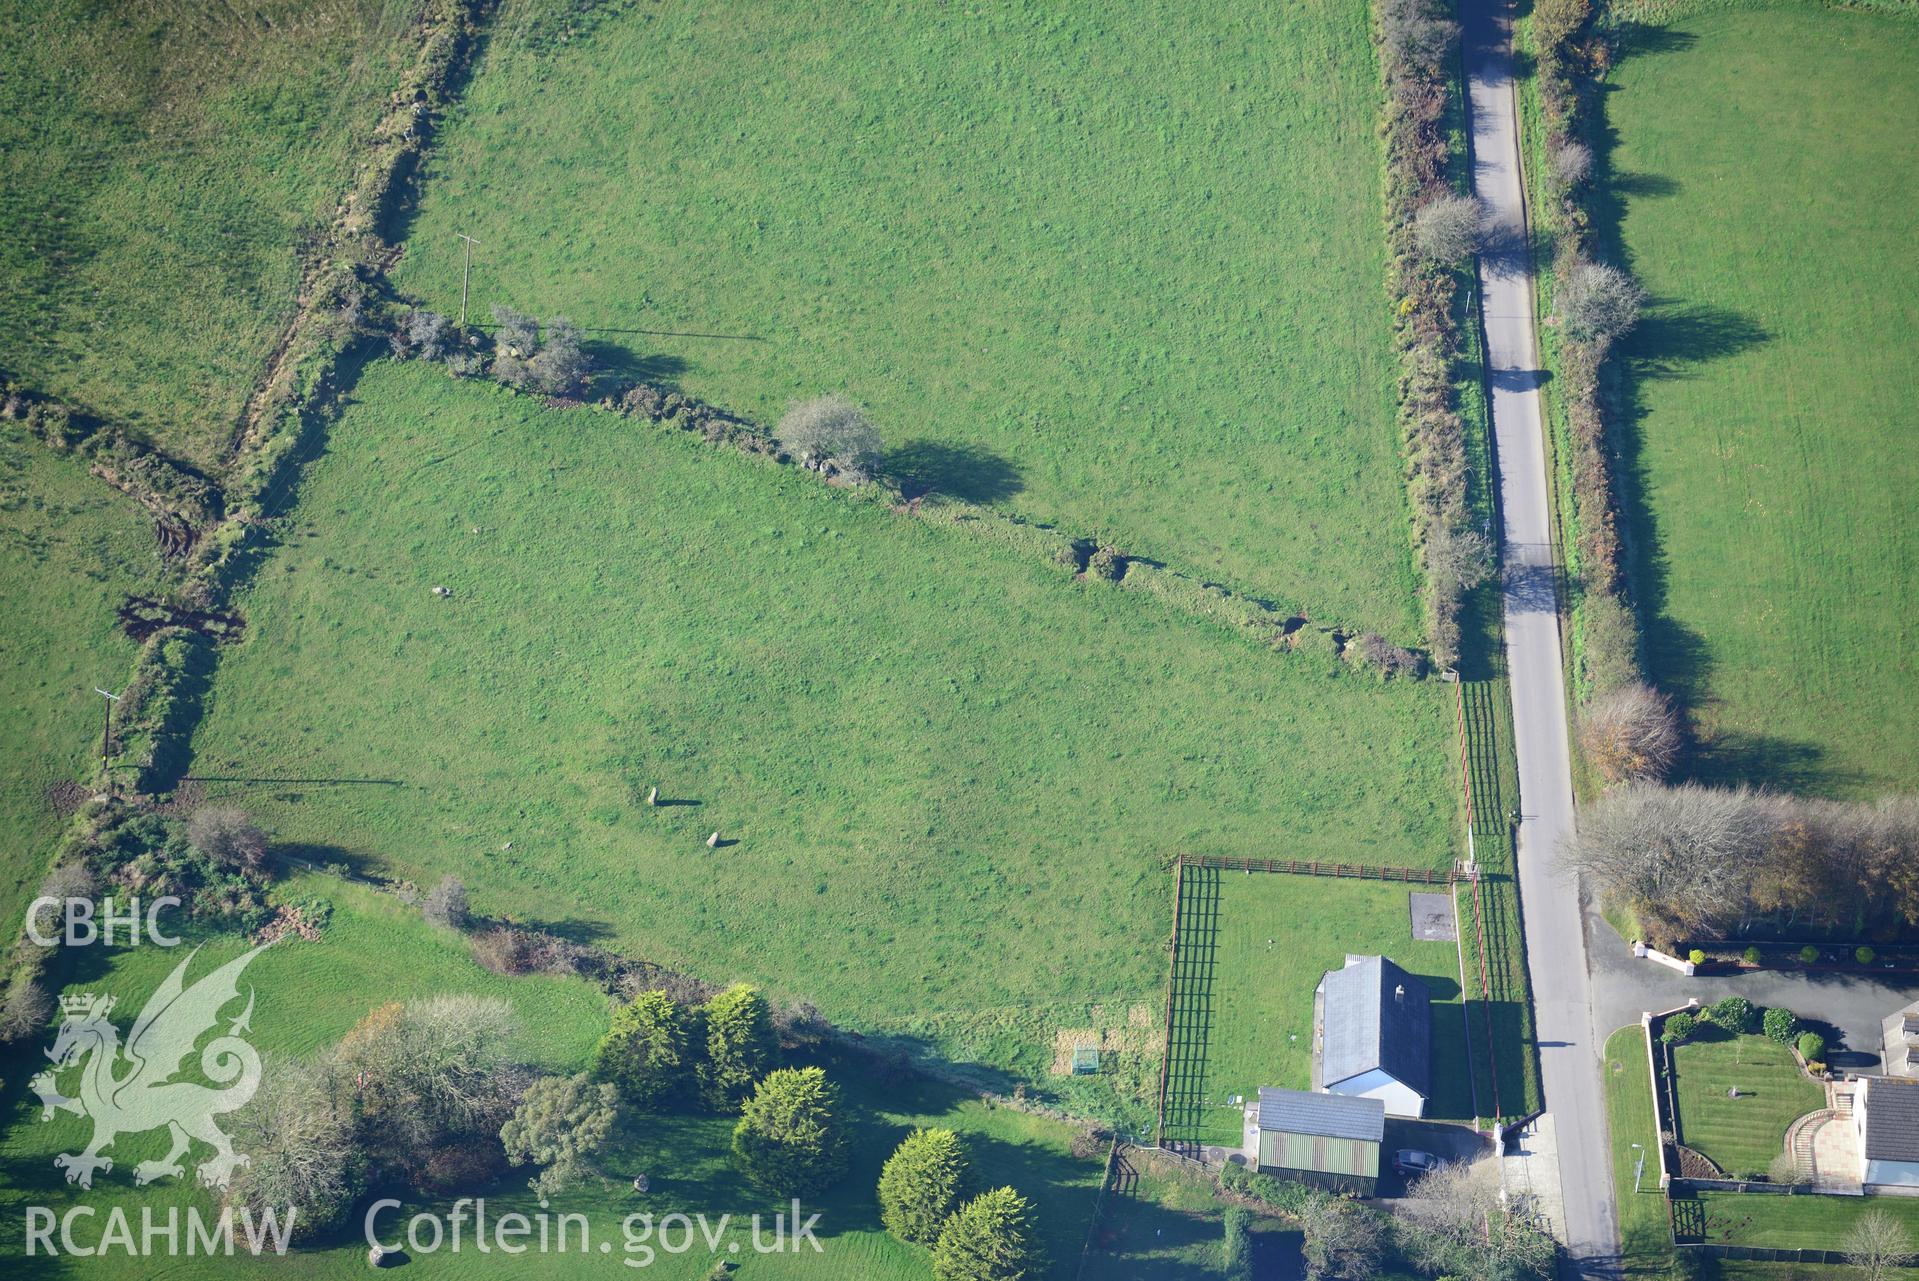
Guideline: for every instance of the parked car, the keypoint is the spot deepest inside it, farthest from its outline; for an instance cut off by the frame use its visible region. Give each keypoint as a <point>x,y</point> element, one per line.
<point>1411,1162</point>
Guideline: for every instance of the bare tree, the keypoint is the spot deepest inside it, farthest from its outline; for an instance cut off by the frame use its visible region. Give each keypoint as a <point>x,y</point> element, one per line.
<point>1692,851</point>
<point>433,1068</point>
<point>831,429</point>
<point>298,1134</point>
<point>1342,1238</point>
<point>227,836</point>
<point>1572,163</point>
<point>1630,733</point>
<point>69,879</point>
<point>423,335</point>
<point>1458,559</point>
<point>561,366</point>
<point>514,346</point>
<point>1599,302</point>
<point>1447,229</point>
<point>1879,1246</point>
<point>25,1009</point>
<point>1452,1224</point>
<point>445,904</point>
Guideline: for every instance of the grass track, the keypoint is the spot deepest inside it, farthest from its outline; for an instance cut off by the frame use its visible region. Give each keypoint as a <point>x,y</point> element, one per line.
<point>1115,266</point>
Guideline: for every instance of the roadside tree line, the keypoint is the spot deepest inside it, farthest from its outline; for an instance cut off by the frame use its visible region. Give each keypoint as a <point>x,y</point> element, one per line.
<point>1695,861</point>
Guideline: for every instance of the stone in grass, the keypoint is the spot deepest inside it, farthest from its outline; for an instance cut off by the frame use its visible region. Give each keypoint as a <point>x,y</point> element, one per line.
<point>653,797</point>
<point>443,591</point>
<point>713,841</point>
<point>381,1257</point>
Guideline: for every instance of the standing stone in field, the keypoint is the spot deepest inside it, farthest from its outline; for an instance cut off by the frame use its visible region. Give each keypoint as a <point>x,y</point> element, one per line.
<point>443,591</point>
<point>653,797</point>
<point>713,841</point>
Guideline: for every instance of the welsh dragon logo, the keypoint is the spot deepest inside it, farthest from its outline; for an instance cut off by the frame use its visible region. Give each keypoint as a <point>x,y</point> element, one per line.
<point>129,1089</point>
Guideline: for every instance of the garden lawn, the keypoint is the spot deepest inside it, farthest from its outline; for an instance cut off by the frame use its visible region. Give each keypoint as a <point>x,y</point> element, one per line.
<point>375,949</point>
<point>1798,1222</point>
<point>70,549</point>
<point>949,774</point>
<point>1740,1135</point>
<point>158,167</point>
<point>1272,937</point>
<point>1774,384</point>
<point>1114,266</point>
<point>1644,1228</point>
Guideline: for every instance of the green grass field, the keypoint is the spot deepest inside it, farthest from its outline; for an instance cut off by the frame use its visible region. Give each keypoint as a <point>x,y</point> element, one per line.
<point>1644,1229</point>
<point>1800,1222</point>
<point>953,772</point>
<point>158,167</point>
<point>1770,420</point>
<point>1113,266</point>
<point>375,949</point>
<point>70,548</point>
<point>1255,947</point>
<point>1743,1134</point>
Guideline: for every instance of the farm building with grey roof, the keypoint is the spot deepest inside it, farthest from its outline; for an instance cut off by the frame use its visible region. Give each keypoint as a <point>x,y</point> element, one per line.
<point>1372,1035</point>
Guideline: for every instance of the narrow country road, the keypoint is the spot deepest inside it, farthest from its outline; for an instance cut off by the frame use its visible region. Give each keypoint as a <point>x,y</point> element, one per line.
<point>1569,1050</point>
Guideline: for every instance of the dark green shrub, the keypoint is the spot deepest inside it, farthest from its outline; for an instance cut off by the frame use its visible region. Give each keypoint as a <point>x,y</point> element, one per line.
<point>989,1239</point>
<point>1812,1047</point>
<point>647,1052</point>
<point>1864,955</point>
<point>921,1185</point>
<point>1780,1025</point>
<point>1753,956</point>
<point>740,1044</point>
<point>790,1139</point>
<point>1808,954</point>
<point>1735,1014</point>
<point>1679,1028</point>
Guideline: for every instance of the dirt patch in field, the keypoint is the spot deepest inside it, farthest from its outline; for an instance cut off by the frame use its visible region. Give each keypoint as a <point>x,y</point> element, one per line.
<point>1132,1030</point>
<point>65,798</point>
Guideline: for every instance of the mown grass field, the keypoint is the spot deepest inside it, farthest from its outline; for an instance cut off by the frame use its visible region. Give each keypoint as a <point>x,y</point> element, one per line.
<point>1770,418</point>
<point>1256,946</point>
<point>158,167</point>
<point>376,949</point>
<point>1800,1222</point>
<point>1746,1133</point>
<point>1644,1228</point>
<point>954,773</point>
<point>70,548</point>
<point>1113,266</point>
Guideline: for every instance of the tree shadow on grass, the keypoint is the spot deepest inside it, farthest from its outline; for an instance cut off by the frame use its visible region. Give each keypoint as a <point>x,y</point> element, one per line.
<point>1672,338</point>
<point>616,368</point>
<point>965,472</point>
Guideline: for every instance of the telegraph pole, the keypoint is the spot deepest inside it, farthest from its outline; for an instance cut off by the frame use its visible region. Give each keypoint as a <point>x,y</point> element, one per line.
<point>106,724</point>
<point>466,274</point>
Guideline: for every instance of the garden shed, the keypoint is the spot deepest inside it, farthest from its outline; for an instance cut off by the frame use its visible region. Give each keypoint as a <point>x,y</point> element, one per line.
<point>1328,1140</point>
